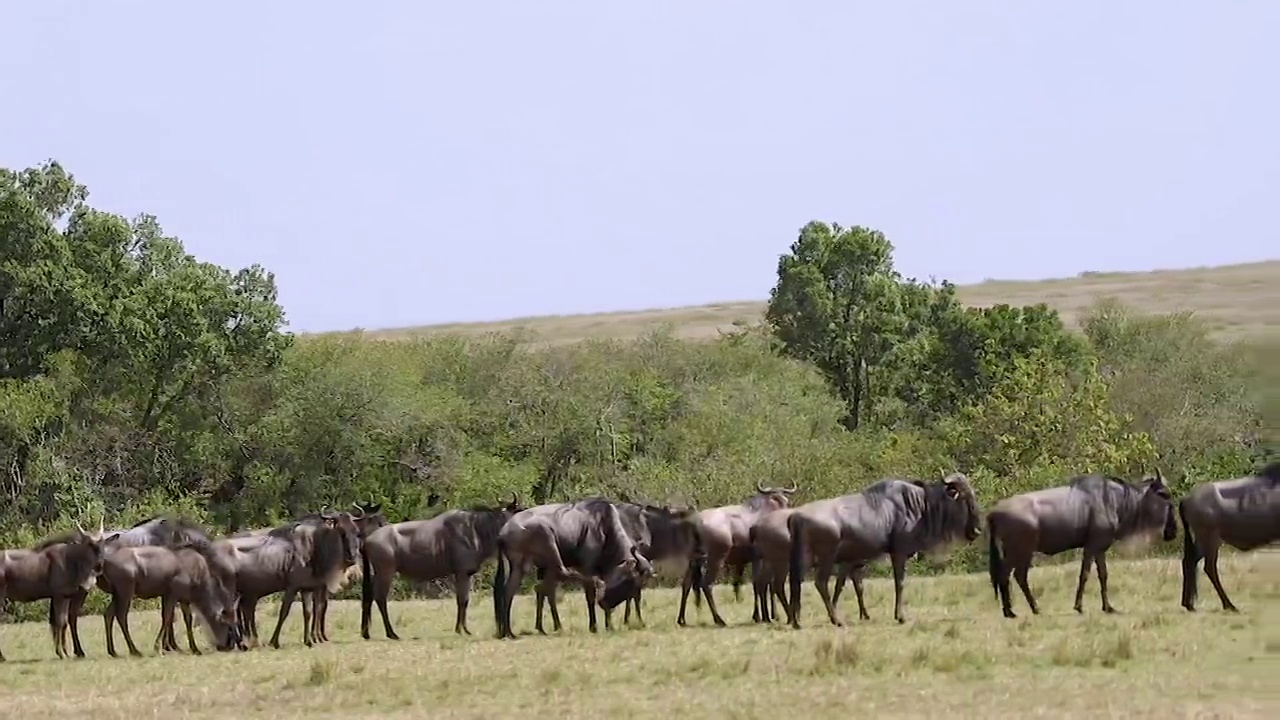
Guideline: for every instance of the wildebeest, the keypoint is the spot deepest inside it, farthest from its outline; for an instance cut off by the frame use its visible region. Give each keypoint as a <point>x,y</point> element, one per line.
<point>770,540</point>
<point>1243,513</point>
<point>366,518</point>
<point>180,575</point>
<point>664,536</point>
<point>892,516</point>
<point>722,538</point>
<point>291,558</point>
<point>60,568</point>
<point>576,542</point>
<point>452,544</point>
<point>1090,512</point>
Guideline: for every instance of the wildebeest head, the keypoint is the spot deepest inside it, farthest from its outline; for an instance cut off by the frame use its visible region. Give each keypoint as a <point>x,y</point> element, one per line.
<point>777,497</point>
<point>346,526</point>
<point>1155,508</point>
<point>962,516</point>
<point>512,507</point>
<point>82,553</point>
<point>368,517</point>
<point>625,579</point>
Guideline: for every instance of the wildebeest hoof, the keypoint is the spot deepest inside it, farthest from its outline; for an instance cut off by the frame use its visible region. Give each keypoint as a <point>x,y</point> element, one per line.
<point>1231,609</point>
<point>135,653</point>
<point>1189,607</point>
<point>1110,610</point>
<point>1011,614</point>
<point>1079,610</point>
<point>902,621</point>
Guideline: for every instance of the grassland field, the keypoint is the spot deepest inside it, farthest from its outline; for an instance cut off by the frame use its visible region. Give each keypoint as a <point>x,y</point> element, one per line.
<point>956,656</point>
<point>1237,301</point>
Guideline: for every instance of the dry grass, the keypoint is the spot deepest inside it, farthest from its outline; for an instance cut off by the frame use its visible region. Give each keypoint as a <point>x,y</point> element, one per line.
<point>1237,301</point>
<point>955,657</point>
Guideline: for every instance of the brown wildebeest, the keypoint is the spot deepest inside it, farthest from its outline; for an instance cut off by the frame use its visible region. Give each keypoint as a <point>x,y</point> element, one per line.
<point>721,538</point>
<point>291,559</point>
<point>770,541</point>
<point>60,568</point>
<point>1243,513</point>
<point>575,542</point>
<point>664,536</point>
<point>1090,512</point>
<point>181,575</point>
<point>896,517</point>
<point>452,544</point>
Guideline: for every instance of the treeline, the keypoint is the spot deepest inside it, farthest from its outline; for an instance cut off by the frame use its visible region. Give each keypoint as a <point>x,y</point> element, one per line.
<point>135,379</point>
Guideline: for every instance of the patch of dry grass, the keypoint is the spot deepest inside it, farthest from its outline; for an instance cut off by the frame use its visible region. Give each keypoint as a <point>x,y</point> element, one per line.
<point>955,656</point>
<point>1237,301</point>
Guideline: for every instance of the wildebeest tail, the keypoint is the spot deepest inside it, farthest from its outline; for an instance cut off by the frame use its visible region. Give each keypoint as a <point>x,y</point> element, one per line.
<point>795,570</point>
<point>697,566</point>
<point>995,564</point>
<point>366,576</point>
<point>500,587</point>
<point>1190,555</point>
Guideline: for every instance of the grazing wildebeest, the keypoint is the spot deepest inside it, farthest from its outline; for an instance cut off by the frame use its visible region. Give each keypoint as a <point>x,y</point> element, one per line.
<point>573,542</point>
<point>1243,513</point>
<point>1090,512</point>
<point>893,516</point>
<point>722,538</point>
<point>452,544</point>
<point>664,536</point>
<point>291,559</point>
<point>180,575</point>
<point>60,568</point>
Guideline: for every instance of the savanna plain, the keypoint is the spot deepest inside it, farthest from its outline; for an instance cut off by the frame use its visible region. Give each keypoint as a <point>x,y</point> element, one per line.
<point>954,656</point>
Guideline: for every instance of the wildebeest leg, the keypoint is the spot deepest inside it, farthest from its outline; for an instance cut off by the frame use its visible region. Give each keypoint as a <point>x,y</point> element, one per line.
<point>1020,574</point>
<point>167,604</point>
<point>58,624</point>
<point>511,587</point>
<point>123,603</point>
<point>322,614</point>
<point>636,600</point>
<point>109,621</point>
<point>286,604</point>
<point>857,574</point>
<point>685,586</point>
<point>191,636</point>
<point>713,566</point>
<point>462,592</point>
<point>1211,569</point>
<point>589,590</point>
<point>308,615</point>
<point>738,571</point>
<point>823,565</point>
<point>248,607</point>
<point>760,573</point>
<point>1086,562</point>
<point>1101,559</point>
<point>899,562</point>
<point>73,618</point>
<point>778,594</point>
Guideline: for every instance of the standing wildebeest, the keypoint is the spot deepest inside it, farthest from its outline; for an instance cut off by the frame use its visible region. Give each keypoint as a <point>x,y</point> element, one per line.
<point>453,544</point>
<point>1091,512</point>
<point>293,558</point>
<point>1243,513</point>
<point>366,518</point>
<point>184,574</point>
<point>574,541</point>
<point>770,557</point>
<point>59,568</point>
<point>722,538</point>
<point>896,517</point>
<point>664,536</point>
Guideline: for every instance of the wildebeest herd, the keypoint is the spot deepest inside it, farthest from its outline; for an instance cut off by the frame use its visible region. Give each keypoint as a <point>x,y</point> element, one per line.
<point>613,548</point>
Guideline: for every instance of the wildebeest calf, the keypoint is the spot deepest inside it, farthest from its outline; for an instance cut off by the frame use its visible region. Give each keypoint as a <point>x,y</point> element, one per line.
<point>1091,512</point>
<point>1243,513</point>
<point>896,517</point>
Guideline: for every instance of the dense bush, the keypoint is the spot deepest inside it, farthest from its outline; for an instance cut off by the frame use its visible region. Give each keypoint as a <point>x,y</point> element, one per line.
<point>135,379</point>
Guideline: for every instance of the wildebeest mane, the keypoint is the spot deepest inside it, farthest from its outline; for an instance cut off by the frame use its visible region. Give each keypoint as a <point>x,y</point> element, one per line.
<point>284,530</point>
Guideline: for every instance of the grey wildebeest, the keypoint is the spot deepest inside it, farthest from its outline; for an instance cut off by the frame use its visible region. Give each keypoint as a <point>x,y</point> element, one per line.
<point>366,518</point>
<point>1091,512</point>
<point>452,544</point>
<point>1243,513</point>
<point>577,541</point>
<point>292,558</point>
<point>664,536</point>
<point>180,575</point>
<point>895,517</point>
<point>722,538</point>
<point>60,568</point>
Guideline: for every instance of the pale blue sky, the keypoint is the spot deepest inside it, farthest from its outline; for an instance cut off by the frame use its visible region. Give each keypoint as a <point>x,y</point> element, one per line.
<point>400,163</point>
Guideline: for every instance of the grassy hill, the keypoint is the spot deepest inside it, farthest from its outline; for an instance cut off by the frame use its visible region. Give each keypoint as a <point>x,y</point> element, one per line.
<point>1237,300</point>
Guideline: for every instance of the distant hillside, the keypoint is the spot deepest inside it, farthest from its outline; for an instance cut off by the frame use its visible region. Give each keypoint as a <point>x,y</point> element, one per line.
<point>1237,300</point>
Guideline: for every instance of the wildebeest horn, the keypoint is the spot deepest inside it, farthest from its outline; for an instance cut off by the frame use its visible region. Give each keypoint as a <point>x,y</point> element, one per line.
<point>761,488</point>
<point>359,510</point>
<point>794,487</point>
<point>102,524</point>
<point>514,500</point>
<point>1159,478</point>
